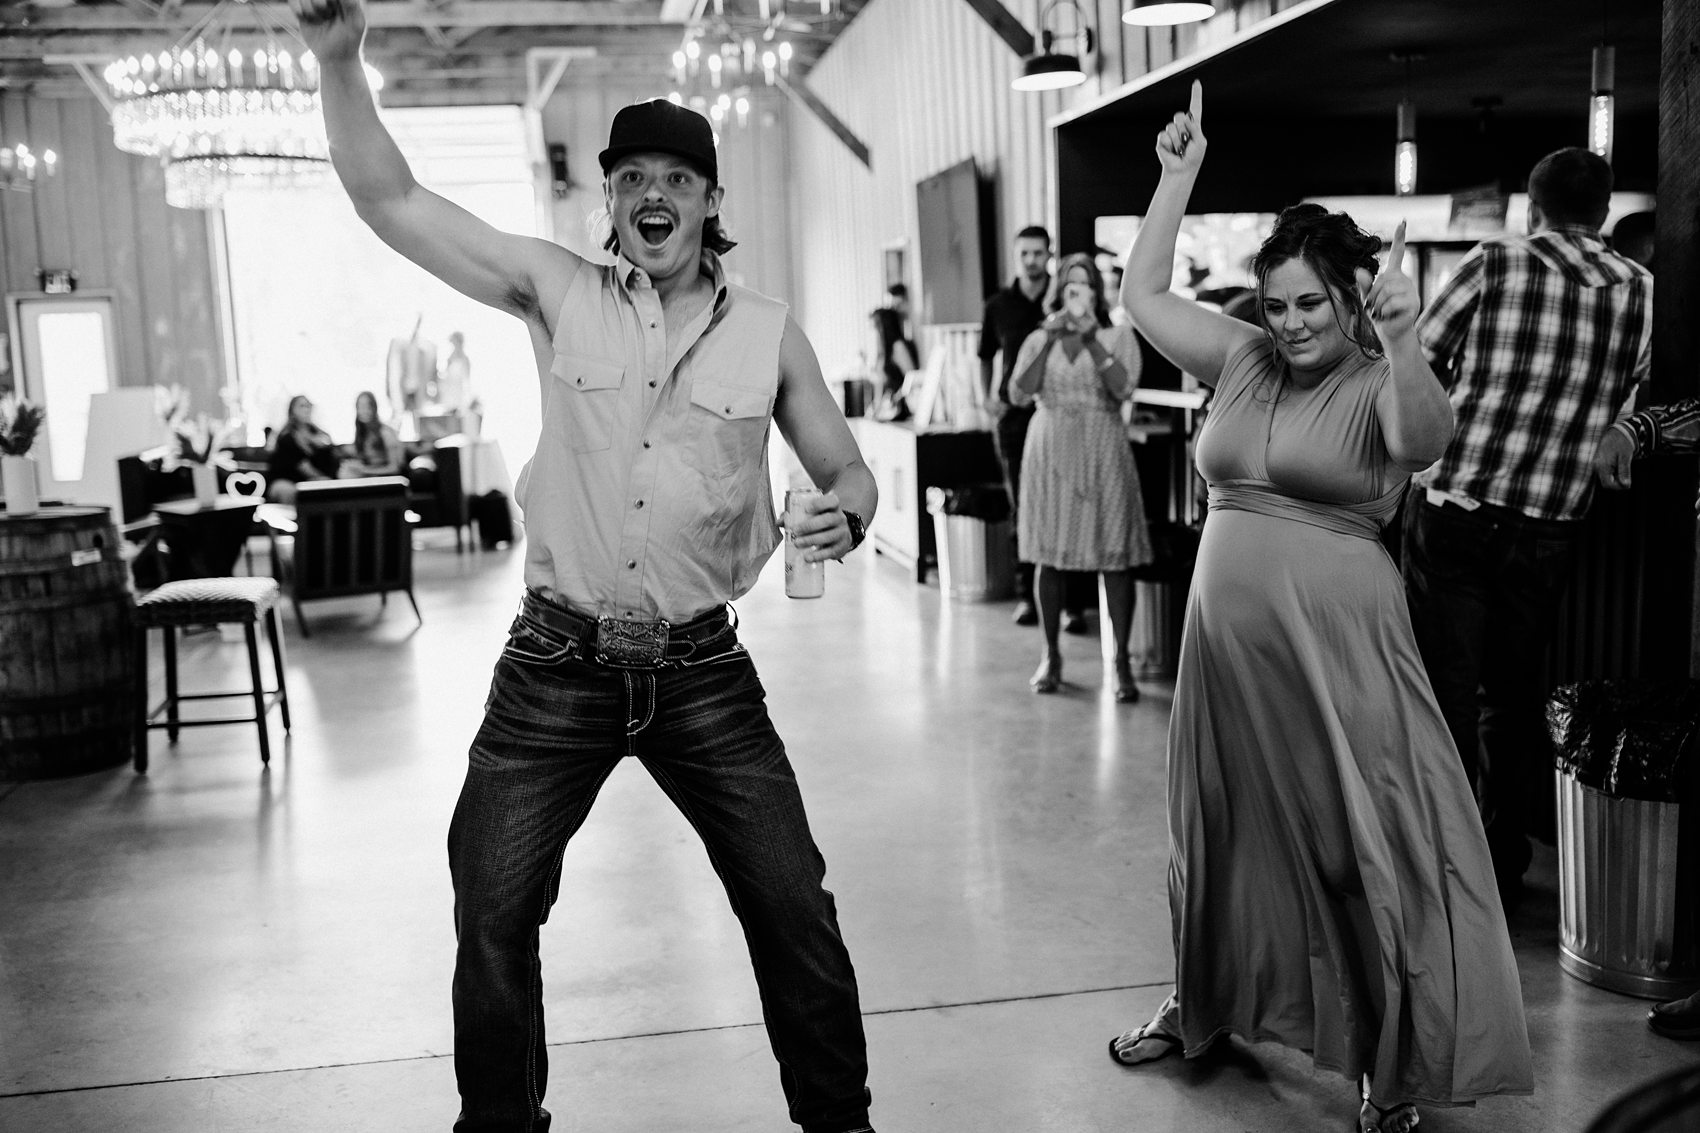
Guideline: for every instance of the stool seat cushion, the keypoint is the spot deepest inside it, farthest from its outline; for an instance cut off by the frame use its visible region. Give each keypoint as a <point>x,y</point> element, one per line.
<point>207,601</point>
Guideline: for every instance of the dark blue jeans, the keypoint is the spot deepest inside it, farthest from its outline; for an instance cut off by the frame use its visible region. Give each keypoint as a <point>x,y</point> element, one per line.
<point>555,727</point>
<point>1484,588</point>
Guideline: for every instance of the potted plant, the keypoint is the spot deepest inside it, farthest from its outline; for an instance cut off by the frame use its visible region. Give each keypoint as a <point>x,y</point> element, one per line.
<point>196,441</point>
<point>19,423</point>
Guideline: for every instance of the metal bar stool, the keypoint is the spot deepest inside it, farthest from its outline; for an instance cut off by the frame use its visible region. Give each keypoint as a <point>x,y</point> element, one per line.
<point>206,602</point>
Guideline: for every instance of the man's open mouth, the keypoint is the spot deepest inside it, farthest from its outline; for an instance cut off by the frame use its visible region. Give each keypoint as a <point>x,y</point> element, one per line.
<point>654,229</point>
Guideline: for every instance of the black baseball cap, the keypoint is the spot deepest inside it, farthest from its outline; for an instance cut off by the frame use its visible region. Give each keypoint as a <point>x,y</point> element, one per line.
<point>660,126</point>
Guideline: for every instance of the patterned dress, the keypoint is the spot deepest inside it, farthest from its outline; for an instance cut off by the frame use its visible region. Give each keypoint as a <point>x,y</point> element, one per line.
<point>1329,884</point>
<point>1081,507</point>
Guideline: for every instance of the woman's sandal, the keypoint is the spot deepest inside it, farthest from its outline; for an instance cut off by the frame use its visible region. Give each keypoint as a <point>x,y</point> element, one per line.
<point>1048,677</point>
<point>1401,1118</point>
<point>1148,1032</point>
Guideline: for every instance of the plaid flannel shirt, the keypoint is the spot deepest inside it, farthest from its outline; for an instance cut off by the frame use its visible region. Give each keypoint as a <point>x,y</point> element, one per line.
<point>1671,428</point>
<point>1541,340</point>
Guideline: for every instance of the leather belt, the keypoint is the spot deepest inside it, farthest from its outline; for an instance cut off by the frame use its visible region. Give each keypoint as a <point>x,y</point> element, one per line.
<point>625,642</point>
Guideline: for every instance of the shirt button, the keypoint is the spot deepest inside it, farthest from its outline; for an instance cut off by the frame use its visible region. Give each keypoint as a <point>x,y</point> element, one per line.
<point>646,444</point>
<point>652,383</point>
<point>631,564</point>
<point>640,505</point>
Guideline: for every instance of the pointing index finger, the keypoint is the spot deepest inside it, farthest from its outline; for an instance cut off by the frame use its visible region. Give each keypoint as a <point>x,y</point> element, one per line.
<point>1396,257</point>
<point>1196,108</point>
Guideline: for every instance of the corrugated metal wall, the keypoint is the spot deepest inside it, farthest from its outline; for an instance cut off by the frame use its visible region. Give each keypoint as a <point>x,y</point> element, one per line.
<point>925,83</point>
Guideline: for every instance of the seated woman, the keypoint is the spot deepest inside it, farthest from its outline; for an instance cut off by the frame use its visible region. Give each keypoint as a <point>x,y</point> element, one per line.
<point>377,449</point>
<point>300,451</point>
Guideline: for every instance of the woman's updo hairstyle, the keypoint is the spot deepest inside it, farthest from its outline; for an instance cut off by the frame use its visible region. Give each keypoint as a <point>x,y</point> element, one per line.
<point>1333,246</point>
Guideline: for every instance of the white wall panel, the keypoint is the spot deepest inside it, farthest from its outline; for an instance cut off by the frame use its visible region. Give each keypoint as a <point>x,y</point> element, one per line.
<point>925,83</point>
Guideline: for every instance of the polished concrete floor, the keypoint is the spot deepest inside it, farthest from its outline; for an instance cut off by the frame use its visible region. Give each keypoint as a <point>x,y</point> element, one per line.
<point>215,947</point>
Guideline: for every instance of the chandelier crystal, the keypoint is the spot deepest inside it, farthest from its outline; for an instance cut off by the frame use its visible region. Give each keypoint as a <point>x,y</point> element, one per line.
<point>20,166</point>
<point>735,50</point>
<point>219,116</point>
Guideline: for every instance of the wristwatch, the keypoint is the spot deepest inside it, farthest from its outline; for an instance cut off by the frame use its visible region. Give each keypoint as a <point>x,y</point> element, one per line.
<point>858,529</point>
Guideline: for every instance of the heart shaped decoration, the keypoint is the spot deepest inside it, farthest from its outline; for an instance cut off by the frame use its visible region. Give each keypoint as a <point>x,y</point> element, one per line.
<point>245,484</point>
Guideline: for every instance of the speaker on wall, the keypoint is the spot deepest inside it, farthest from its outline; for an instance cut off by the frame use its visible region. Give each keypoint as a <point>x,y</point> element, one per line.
<point>559,181</point>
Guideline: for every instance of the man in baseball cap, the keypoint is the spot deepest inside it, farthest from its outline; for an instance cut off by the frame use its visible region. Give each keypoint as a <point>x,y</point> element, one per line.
<point>647,510</point>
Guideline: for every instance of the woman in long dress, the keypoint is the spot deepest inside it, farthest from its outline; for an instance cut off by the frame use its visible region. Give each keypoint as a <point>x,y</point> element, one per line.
<point>1330,887</point>
<point>1080,499</point>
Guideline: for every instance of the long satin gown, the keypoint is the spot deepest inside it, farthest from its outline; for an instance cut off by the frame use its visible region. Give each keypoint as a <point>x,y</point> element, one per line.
<point>1330,885</point>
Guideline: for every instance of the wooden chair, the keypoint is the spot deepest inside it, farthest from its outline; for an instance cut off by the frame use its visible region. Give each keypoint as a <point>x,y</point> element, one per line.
<point>350,537</point>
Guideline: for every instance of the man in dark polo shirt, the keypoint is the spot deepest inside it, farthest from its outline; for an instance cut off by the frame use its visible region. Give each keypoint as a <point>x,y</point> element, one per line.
<point>1011,315</point>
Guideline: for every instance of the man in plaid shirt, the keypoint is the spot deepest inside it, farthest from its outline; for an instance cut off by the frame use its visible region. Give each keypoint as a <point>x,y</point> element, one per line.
<point>1541,339</point>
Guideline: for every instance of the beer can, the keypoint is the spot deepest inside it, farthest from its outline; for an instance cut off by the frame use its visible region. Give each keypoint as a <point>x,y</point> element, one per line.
<point>803,579</point>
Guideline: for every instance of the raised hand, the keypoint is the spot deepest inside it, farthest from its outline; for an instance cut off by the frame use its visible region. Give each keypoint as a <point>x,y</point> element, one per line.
<point>332,29</point>
<point>1181,144</point>
<point>1059,324</point>
<point>1391,300</point>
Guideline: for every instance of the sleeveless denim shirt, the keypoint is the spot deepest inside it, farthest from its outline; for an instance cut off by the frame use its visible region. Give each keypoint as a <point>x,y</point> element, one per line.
<point>649,494</point>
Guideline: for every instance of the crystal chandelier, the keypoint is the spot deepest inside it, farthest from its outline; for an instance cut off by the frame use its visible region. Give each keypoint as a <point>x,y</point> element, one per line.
<point>20,165</point>
<point>737,47</point>
<point>218,116</point>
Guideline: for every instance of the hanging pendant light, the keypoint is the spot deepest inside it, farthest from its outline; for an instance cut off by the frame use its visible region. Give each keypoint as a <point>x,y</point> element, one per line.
<point>1602,106</point>
<point>1405,144</point>
<point>1405,151</point>
<point>1053,70</point>
<point>1167,13</point>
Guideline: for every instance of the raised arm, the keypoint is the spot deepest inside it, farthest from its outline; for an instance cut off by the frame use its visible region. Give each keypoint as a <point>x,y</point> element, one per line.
<point>810,421</point>
<point>494,267</point>
<point>1197,340</point>
<point>1413,409</point>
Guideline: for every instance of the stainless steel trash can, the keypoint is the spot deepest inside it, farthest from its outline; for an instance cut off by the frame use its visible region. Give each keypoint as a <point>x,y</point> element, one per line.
<point>1628,890</point>
<point>976,557</point>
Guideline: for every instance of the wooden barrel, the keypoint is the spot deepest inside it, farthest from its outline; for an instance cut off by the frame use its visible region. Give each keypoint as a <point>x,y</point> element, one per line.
<point>67,655</point>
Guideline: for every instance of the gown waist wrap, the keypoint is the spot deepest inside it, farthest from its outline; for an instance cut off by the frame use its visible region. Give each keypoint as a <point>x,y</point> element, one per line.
<point>1362,520</point>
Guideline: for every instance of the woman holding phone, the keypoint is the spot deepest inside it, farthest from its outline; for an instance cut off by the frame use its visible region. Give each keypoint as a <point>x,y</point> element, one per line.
<point>1329,883</point>
<point>1080,501</point>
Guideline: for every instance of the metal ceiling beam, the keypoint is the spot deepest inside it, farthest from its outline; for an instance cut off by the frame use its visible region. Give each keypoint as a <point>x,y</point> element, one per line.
<point>655,40</point>
<point>680,11</point>
<point>1010,29</point>
<point>379,14</point>
<point>540,86</point>
<point>799,92</point>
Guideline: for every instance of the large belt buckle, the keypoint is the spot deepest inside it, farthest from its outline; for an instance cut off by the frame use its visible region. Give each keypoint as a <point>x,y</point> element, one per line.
<point>621,642</point>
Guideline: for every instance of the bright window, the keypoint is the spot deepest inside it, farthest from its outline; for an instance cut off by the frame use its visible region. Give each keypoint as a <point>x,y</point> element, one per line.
<point>318,301</point>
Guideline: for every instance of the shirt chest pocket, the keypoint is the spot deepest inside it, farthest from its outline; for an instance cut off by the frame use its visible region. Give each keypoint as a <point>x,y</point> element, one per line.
<point>728,427</point>
<point>585,399</point>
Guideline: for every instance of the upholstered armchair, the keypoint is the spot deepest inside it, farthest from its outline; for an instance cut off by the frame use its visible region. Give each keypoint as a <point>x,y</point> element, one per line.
<point>349,537</point>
